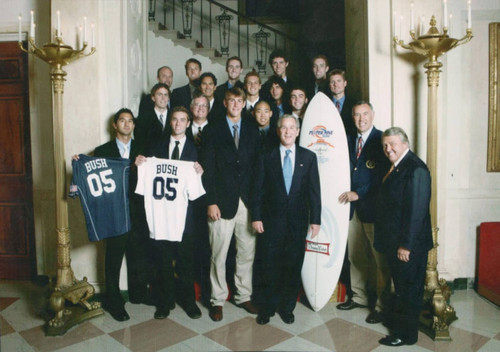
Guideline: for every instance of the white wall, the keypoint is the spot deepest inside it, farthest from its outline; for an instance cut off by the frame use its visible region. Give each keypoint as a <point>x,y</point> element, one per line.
<point>468,195</point>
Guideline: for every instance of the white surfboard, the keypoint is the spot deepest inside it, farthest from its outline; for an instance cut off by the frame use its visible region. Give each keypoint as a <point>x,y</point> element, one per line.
<point>322,132</point>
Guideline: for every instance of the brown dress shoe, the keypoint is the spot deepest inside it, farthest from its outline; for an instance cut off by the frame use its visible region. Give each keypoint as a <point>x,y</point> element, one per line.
<point>215,313</point>
<point>249,307</point>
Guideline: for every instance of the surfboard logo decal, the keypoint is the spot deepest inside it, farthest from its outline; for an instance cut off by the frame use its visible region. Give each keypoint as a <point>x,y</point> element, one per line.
<point>320,132</point>
<point>316,247</point>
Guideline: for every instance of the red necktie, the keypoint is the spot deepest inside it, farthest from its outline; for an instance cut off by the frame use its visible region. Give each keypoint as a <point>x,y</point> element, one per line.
<point>360,146</point>
<point>337,104</point>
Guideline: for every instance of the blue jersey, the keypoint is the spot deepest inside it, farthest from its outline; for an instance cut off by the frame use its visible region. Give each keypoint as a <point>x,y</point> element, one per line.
<point>102,185</point>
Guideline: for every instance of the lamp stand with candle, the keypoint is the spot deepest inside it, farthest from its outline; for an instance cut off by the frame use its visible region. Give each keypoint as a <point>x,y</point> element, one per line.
<point>70,297</point>
<point>432,45</point>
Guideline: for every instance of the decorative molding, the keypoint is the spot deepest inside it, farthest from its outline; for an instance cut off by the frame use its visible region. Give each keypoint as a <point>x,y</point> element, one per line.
<point>493,164</point>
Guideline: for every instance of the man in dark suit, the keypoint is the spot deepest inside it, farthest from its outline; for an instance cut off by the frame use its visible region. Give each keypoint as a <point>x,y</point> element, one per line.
<point>319,83</point>
<point>195,132</point>
<point>234,66</point>
<point>278,61</point>
<point>164,251</point>
<point>153,125</point>
<point>286,200</point>
<point>163,75</point>
<point>403,233</point>
<point>253,89</point>
<point>366,264</point>
<point>133,243</point>
<point>337,83</point>
<point>208,82</point>
<point>182,96</point>
<point>230,148</point>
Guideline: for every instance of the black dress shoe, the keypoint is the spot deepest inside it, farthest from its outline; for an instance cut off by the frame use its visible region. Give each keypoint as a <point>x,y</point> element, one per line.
<point>262,319</point>
<point>193,311</point>
<point>350,304</point>
<point>119,314</point>
<point>374,317</point>
<point>393,341</point>
<point>215,313</point>
<point>287,317</point>
<point>161,313</point>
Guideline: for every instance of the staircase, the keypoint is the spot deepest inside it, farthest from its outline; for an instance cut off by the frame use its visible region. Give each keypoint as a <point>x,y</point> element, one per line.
<point>168,47</point>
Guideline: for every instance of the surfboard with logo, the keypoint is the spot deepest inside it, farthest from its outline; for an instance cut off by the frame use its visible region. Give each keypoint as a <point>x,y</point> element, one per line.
<point>322,132</point>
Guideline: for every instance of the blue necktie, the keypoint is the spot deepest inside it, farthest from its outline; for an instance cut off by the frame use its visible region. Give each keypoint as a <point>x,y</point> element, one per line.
<point>287,170</point>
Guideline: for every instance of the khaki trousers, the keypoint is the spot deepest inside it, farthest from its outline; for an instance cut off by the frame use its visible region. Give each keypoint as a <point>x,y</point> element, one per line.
<point>220,234</point>
<point>370,276</point>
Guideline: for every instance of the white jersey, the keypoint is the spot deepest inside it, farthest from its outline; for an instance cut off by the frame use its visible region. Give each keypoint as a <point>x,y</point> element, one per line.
<point>167,187</point>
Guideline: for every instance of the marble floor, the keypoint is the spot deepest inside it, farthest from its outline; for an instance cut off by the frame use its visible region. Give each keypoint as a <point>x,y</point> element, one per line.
<point>22,328</point>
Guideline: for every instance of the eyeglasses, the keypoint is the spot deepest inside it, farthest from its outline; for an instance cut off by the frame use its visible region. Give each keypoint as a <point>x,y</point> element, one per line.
<point>200,105</point>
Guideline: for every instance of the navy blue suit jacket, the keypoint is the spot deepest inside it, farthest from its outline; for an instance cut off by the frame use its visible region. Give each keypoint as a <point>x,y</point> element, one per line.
<point>228,171</point>
<point>403,217</point>
<point>366,173</point>
<point>281,211</point>
<point>148,129</point>
<point>181,97</point>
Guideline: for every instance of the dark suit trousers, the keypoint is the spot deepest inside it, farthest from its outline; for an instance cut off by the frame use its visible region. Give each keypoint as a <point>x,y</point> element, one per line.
<point>282,257</point>
<point>164,253</point>
<point>116,247</point>
<point>409,281</point>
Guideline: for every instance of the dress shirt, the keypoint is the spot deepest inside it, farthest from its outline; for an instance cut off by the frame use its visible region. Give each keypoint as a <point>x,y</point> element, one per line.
<point>365,136</point>
<point>121,146</point>
<point>164,114</point>
<point>171,146</point>
<point>291,156</point>
<point>251,105</point>
<point>230,123</point>
<point>194,127</point>
<point>341,102</point>
<point>211,104</point>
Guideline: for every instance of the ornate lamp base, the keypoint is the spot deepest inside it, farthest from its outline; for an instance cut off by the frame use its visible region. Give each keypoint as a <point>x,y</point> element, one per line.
<point>437,314</point>
<point>68,316</point>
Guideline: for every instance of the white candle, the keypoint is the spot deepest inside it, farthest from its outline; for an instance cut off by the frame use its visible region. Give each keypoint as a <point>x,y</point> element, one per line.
<point>58,28</point>
<point>34,30</point>
<point>412,24</point>
<point>445,14</point>
<point>84,29</point>
<point>400,25</point>
<point>422,24</point>
<point>20,37</point>
<point>80,37</point>
<point>394,15</point>
<point>450,25</point>
<point>32,24</point>
<point>469,15</point>
<point>92,35</point>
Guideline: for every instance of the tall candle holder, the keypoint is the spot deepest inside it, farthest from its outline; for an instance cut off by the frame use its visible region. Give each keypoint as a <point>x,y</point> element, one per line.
<point>432,45</point>
<point>67,288</point>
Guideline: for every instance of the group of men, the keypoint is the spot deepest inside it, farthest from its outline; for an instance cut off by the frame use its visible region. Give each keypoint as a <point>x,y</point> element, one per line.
<point>263,192</point>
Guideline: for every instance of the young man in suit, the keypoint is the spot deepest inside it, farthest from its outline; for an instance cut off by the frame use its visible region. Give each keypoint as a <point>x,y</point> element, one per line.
<point>153,125</point>
<point>320,69</point>
<point>278,61</point>
<point>208,82</point>
<point>403,233</point>
<point>230,148</point>
<point>132,243</point>
<point>234,66</point>
<point>163,75</point>
<point>182,96</point>
<point>178,147</point>
<point>337,83</point>
<point>286,204</point>
<point>369,273</point>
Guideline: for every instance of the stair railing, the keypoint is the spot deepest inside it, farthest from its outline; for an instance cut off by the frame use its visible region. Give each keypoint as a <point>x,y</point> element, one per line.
<point>254,39</point>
